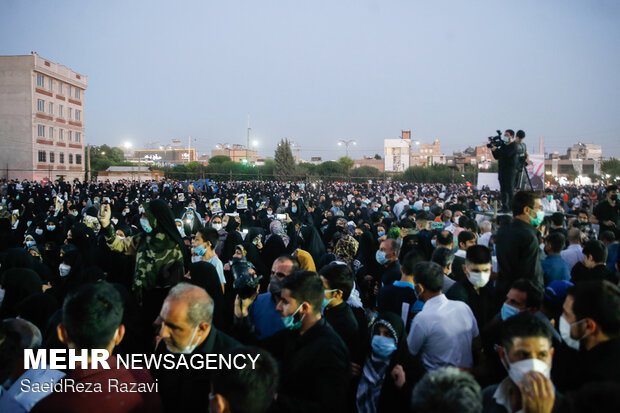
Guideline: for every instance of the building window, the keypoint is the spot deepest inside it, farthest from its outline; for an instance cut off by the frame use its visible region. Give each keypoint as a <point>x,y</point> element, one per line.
<point>51,157</point>
<point>70,136</point>
<point>70,112</point>
<point>70,158</point>
<point>60,108</point>
<point>60,87</point>
<point>61,157</point>
<point>40,80</point>
<point>40,105</point>
<point>77,93</point>
<point>51,133</point>
<point>78,136</point>
<point>42,157</point>
<point>60,135</point>
<point>51,108</point>
<point>78,159</point>
<point>69,86</point>
<point>41,131</point>
<point>49,83</point>
<point>78,114</point>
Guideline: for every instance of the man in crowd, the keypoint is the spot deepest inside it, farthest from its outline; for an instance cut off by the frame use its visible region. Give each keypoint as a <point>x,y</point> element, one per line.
<point>92,319</point>
<point>474,289</point>
<point>187,328</point>
<point>443,332</point>
<point>526,352</point>
<point>387,257</point>
<point>607,212</point>
<point>593,266</point>
<point>573,254</point>
<point>444,257</point>
<point>506,156</point>
<point>400,297</point>
<point>518,252</point>
<point>554,267</point>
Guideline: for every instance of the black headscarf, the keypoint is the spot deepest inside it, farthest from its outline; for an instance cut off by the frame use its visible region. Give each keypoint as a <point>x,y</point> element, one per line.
<point>159,210</point>
<point>18,283</point>
<point>37,308</point>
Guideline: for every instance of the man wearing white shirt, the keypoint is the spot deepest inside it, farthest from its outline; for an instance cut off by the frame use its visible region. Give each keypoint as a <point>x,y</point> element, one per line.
<point>572,255</point>
<point>443,332</point>
<point>487,231</point>
<point>549,204</point>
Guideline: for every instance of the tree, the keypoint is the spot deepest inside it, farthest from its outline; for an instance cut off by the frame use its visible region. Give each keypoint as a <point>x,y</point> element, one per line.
<point>346,163</point>
<point>611,167</point>
<point>284,163</point>
<point>330,170</point>
<point>219,159</point>
<point>377,156</point>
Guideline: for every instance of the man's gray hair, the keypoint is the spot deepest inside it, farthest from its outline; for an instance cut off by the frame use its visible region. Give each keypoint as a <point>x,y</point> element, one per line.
<point>199,303</point>
<point>447,389</point>
<point>394,245</point>
<point>486,226</point>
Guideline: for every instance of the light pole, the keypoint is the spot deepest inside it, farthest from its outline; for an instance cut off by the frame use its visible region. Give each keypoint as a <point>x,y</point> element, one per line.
<point>346,143</point>
<point>247,146</point>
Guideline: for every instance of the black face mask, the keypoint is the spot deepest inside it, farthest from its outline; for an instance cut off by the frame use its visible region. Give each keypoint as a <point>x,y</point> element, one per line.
<point>614,197</point>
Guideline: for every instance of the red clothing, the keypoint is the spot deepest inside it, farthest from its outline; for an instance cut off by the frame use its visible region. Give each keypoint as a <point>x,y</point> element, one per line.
<point>109,399</point>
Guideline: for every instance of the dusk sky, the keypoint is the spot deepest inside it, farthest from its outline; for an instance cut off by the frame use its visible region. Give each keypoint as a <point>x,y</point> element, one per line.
<point>319,71</point>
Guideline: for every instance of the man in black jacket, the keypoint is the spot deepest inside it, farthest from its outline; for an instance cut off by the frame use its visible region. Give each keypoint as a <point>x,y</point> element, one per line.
<point>590,323</point>
<point>314,362</point>
<point>186,328</point>
<point>518,251</point>
<point>506,156</point>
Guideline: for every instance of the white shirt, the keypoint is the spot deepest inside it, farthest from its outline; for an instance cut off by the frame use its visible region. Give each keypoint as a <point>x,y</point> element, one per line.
<point>572,255</point>
<point>549,206</point>
<point>443,332</point>
<point>484,239</point>
<point>219,267</point>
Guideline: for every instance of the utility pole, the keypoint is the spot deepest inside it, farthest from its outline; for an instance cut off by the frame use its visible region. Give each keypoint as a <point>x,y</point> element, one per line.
<point>88,162</point>
<point>346,143</point>
<point>247,147</point>
<point>189,146</point>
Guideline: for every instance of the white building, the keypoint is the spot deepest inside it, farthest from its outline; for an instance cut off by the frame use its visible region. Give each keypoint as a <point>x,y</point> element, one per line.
<point>397,153</point>
<point>41,119</point>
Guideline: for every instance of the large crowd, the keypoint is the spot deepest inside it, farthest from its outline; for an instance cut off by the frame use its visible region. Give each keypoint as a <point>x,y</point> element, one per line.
<point>356,297</point>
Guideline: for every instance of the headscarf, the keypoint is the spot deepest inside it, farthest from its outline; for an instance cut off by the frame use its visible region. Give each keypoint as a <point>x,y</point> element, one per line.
<point>346,248</point>
<point>18,283</point>
<point>276,229</point>
<point>375,368</point>
<point>37,308</point>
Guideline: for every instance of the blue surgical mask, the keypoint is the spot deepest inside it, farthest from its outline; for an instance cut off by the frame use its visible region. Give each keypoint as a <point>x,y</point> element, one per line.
<point>146,226</point>
<point>30,244</point>
<point>426,208</point>
<point>434,243</point>
<point>375,209</point>
<point>549,197</point>
<point>51,227</point>
<point>294,210</point>
<point>290,323</point>
<point>326,300</point>
<point>380,257</point>
<point>383,347</point>
<point>381,233</point>
<point>200,250</point>
<point>508,311</point>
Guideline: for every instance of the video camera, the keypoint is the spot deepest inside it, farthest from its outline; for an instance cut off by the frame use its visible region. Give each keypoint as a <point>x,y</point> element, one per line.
<point>496,141</point>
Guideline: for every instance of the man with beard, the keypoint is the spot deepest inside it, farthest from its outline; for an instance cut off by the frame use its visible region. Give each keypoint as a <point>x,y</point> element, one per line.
<point>262,313</point>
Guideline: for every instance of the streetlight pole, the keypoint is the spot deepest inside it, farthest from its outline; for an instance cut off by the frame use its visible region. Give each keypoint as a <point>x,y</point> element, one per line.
<point>247,147</point>
<point>346,143</point>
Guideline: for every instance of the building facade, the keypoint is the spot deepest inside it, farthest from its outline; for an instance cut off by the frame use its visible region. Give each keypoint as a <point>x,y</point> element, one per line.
<point>237,153</point>
<point>42,133</point>
<point>427,154</point>
<point>164,156</point>
<point>397,152</point>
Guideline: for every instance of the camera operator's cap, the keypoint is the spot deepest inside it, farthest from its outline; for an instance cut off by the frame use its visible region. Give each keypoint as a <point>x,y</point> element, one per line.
<point>556,291</point>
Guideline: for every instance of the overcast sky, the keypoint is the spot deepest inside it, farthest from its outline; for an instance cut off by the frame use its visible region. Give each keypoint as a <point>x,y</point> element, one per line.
<point>319,71</point>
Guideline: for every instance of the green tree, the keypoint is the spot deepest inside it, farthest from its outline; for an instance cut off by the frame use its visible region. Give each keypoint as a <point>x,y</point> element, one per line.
<point>611,167</point>
<point>284,163</point>
<point>219,159</point>
<point>364,173</point>
<point>346,163</point>
<point>377,156</point>
<point>330,170</point>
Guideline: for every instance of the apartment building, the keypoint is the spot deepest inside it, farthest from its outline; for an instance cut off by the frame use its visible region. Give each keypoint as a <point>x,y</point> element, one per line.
<point>41,119</point>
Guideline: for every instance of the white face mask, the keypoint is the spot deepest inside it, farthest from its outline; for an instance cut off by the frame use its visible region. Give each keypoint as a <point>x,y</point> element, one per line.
<point>217,227</point>
<point>196,258</point>
<point>190,347</point>
<point>565,333</point>
<point>479,279</point>
<point>516,371</point>
<point>64,269</point>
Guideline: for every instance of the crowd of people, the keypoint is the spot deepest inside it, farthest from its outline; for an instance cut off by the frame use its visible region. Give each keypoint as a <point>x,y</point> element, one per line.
<point>355,297</point>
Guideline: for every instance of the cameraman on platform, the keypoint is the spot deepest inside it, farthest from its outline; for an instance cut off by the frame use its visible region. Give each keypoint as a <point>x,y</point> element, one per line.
<point>522,158</point>
<point>506,156</point>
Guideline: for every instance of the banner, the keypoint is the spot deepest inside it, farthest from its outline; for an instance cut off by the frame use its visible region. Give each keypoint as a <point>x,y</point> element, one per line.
<point>488,179</point>
<point>536,171</point>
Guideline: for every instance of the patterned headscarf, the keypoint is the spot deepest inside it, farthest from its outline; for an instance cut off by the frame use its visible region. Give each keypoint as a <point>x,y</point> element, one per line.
<point>276,229</point>
<point>346,248</point>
